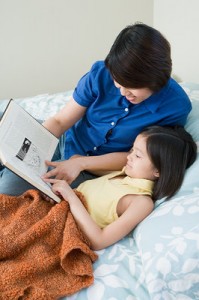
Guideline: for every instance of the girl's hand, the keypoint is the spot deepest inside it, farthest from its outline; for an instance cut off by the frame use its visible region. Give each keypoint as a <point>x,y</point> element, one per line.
<point>48,199</point>
<point>60,188</point>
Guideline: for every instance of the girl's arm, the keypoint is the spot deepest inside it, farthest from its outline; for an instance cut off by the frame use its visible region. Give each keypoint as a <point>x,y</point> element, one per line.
<point>139,207</point>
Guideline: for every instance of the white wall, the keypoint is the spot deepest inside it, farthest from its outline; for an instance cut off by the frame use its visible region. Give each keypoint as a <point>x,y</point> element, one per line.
<point>179,21</point>
<point>46,45</point>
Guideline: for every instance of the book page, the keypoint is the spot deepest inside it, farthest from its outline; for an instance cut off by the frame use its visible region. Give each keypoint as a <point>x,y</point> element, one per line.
<point>23,139</point>
<point>33,178</point>
<point>25,145</point>
<point>20,167</point>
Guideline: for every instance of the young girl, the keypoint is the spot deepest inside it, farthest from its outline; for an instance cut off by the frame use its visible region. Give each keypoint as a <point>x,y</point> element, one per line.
<point>117,202</point>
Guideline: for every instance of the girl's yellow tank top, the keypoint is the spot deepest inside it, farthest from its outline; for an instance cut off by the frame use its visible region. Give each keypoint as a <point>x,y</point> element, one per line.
<point>103,193</point>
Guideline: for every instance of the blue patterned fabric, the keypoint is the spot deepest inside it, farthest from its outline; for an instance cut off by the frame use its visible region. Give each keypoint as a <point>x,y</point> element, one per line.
<point>159,260</point>
<point>168,243</point>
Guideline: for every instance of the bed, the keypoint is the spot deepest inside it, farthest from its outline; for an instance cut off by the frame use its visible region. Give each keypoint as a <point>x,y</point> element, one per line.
<point>160,258</point>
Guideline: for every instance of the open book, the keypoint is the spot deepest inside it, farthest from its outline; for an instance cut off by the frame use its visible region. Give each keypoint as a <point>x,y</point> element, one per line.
<point>25,145</point>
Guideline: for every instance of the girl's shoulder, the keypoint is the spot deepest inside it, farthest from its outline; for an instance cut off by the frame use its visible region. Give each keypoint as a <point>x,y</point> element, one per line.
<point>135,203</point>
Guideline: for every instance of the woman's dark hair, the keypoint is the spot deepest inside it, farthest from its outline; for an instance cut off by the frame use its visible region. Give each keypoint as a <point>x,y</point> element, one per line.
<point>140,58</point>
<point>171,150</point>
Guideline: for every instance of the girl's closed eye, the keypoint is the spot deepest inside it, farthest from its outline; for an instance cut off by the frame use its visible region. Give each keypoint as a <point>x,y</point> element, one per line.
<point>136,153</point>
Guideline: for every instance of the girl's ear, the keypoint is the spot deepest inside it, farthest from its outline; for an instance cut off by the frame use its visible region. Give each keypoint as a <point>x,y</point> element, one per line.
<point>157,174</point>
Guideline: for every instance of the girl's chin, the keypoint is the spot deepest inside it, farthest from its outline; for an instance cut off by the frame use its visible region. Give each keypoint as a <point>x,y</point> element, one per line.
<point>126,170</point>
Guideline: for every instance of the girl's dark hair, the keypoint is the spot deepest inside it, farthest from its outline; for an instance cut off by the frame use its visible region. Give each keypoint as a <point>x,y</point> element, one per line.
<point>171,150</point>
<point>140,58</point>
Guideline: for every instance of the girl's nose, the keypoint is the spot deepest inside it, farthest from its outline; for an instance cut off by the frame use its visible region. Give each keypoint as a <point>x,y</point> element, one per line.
<point>129,157</point>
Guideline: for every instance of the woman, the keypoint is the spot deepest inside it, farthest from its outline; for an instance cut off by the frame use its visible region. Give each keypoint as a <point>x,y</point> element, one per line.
<point>111,104</point>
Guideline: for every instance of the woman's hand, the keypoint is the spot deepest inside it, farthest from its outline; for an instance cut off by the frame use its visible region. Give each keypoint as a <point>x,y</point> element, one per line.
<point>67,170</point>
<point>99,165</point>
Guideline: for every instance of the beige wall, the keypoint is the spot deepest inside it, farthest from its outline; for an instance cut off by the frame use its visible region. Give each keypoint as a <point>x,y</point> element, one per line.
<point>46,45</point>
<point>179,21</point>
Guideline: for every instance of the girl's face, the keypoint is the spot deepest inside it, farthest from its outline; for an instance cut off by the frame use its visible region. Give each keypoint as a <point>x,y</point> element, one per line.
<point>134,96</point>
<point>138,162</point>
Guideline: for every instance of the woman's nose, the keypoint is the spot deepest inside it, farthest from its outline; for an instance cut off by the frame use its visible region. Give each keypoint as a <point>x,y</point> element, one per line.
<point>123,91</point>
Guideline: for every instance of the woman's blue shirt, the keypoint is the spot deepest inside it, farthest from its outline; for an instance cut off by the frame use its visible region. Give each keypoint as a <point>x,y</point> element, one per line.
<point>111,122</point>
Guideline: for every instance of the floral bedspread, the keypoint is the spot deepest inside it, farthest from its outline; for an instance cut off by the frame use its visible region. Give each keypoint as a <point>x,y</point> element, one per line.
<point>42,106</point>
<point>159,260</point>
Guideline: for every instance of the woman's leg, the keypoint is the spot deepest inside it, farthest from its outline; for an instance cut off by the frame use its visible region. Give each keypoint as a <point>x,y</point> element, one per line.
<point>11,184</point>
<point>83,176</point>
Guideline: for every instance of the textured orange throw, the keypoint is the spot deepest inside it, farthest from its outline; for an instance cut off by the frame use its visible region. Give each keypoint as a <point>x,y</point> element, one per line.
<point>43,255</point>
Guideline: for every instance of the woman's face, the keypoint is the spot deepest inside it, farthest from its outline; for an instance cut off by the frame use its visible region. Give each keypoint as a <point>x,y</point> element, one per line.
<point>134,96</point>
<point>139,164</point>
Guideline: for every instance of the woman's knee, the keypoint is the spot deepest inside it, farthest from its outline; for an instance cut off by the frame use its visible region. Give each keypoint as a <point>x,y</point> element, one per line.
<point>11,184</point>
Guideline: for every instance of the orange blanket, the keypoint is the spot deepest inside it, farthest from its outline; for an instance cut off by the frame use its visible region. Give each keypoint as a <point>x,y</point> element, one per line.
<point>43,254</point>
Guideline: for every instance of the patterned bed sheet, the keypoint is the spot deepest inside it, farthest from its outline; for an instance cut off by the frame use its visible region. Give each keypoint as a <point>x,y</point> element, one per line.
<point>41,106</point>
<point>159,260</point>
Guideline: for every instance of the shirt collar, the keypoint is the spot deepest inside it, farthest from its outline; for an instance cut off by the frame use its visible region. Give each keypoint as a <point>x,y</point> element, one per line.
<point>138,182</point>
<point>155,100</point>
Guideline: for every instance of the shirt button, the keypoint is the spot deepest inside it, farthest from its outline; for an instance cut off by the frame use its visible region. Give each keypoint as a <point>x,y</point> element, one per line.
<point>112,123</point>
<point>95,148</point>
<point>126,109</point>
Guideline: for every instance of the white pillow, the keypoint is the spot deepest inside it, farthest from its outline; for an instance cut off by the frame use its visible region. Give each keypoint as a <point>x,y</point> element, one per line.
<point>191,180</point>
<point>168,242</point>
<point>168,239</point>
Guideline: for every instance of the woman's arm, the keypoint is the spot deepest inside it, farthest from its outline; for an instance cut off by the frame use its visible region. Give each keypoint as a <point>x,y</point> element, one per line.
<point>98,165</point>
<point>103,164</point>
<point>70,169</point>
<point>139,207</point>
<point>65,118</point>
